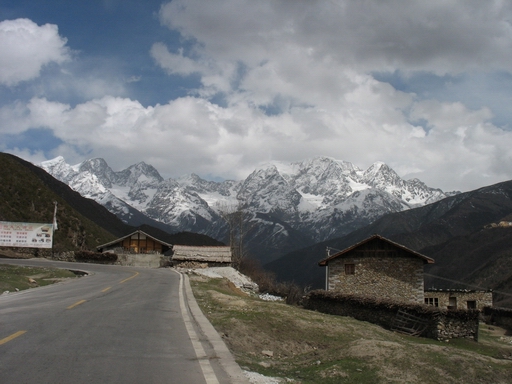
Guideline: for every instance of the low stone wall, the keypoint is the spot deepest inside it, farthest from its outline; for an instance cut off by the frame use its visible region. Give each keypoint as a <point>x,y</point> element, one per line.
<point>499,316</point>
<point>438,324</point>
<point>458,324</point>
<point>26,253</point>
<point>128,259</point>
<point>95,257</point>
<point>143,260</point>
<point>64,256</point>
<point>196,264</point>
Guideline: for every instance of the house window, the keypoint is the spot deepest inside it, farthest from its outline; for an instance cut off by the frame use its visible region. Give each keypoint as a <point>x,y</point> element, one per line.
<point>350,269</point>
<point>471,304</point>
<point>434,301</point>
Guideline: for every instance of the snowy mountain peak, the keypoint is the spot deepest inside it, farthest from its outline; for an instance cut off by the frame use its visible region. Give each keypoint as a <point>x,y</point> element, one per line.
<point>315,199</point>
<point>53,162</point>
<point>59,169</point>
<point>382,176</point>
<point>100,169</point>
<point>190,179</point>
<point>139,173</point>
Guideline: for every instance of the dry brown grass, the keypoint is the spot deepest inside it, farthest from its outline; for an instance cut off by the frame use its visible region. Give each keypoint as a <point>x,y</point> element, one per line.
<point>311,347</point>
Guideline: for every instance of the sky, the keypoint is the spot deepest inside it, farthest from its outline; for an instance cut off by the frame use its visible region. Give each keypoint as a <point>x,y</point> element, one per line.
<point>220,87</point>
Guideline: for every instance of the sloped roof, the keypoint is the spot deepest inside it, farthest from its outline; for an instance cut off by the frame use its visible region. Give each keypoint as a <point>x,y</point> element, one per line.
<point>130,235</point>
<point>426,259</point>
<point>221,254</point>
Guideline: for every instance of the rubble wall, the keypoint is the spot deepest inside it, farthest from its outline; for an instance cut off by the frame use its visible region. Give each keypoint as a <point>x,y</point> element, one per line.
<point>439,324</point>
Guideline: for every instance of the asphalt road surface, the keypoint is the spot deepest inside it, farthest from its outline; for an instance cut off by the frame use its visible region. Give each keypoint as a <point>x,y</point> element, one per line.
<point>116,325</point>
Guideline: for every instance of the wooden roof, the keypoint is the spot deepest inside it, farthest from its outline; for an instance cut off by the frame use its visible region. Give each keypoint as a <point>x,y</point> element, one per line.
<point>221,254</point>
<point>130,235</point>
<point>426,259</point>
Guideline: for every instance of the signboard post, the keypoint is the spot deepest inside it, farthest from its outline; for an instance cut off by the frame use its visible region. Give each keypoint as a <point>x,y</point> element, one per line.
<point>26,235</point>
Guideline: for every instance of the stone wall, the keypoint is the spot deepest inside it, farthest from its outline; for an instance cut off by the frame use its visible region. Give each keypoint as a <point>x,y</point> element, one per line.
<point>458,299</point>
<point>64,256</point>
<point>397,278</point>
<point>439,324</point>
<point>499,316</point>
<point>26,253</point>
<point>129,260</point>
<point>143,260</point>
<point>196,264</point>
<point>451,325</point>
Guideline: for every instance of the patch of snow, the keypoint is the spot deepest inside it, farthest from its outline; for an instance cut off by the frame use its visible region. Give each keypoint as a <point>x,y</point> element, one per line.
<point>215,199</point>
<point>310,202</point>
<point>256,378</point>
<point>269,297</point>
<point>120,192</point>
<point>230,273</point>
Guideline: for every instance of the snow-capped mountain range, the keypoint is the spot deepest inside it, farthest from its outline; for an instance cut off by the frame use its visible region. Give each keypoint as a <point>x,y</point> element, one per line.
<point>287,206</point>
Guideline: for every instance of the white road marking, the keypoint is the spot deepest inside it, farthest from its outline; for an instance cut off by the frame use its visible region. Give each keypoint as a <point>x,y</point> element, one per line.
<point>204,361</point>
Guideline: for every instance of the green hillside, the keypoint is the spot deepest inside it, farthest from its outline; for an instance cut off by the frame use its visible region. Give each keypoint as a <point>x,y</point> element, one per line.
<point>27,194</point>
<point>25,197</point>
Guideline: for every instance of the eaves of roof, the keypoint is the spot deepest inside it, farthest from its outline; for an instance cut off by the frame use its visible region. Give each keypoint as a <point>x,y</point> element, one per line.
<point>325,261</point>
<point>130,235</point>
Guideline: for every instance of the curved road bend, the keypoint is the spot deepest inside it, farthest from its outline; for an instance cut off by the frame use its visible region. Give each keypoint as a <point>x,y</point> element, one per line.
<point>117,325</point>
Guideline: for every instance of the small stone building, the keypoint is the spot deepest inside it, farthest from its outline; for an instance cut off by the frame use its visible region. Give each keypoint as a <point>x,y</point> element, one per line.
<point>201,256</point>
<point>458,298</point>
<point>379,268</point>
<point>137,242</point>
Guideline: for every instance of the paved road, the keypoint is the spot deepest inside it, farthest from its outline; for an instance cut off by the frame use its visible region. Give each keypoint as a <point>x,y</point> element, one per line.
<point>117,325</point>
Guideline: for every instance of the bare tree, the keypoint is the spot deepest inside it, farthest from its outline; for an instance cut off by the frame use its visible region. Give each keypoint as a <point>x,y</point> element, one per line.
<point>237,220</point>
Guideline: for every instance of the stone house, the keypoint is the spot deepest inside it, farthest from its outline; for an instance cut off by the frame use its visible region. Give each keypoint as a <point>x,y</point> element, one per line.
<point>201,256</point>
<point>379,268</point>
<point>458,298</point>
<point>137,242</point>
<point>138,249</point>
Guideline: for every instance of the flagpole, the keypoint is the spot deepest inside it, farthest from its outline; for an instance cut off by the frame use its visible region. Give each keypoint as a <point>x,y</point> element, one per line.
<point>55,227</point>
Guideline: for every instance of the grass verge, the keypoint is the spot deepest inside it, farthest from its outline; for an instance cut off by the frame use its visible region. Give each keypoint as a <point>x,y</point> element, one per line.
<point>279,340</point>
<point>13,277</point>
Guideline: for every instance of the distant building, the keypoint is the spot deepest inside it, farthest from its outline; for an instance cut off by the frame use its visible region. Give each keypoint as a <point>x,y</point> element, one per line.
<point>379,268</point>
<point>187,256</point>
<point>458,298</point>
<point>137,242</point>
<point>141,249</point>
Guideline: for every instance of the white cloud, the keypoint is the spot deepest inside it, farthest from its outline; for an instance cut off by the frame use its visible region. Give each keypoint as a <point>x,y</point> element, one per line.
<point>26,47</point>
<point>302,52</point>
<point>440,36</point>
<point>296,81</point>
<point>174,63</point>
<point>193,135</point>
<point>312,64</point>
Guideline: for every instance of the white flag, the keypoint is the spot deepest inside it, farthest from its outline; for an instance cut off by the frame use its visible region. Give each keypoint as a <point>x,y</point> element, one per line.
<point>55,227</point>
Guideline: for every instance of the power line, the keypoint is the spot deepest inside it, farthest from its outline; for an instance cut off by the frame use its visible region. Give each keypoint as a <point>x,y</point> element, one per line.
<point>466,284</point>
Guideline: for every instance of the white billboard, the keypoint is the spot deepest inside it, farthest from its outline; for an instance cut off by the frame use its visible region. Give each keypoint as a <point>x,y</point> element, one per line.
<point>26,235</point>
